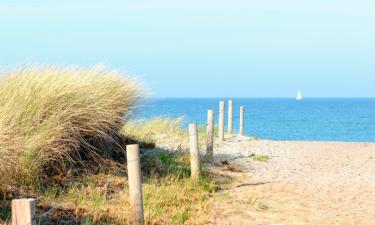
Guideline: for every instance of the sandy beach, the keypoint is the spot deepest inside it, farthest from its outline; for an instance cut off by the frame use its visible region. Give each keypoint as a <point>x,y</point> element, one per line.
<point>301,183</point>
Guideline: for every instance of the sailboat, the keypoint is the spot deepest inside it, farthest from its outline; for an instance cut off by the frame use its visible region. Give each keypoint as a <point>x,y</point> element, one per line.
<point>299,96</point>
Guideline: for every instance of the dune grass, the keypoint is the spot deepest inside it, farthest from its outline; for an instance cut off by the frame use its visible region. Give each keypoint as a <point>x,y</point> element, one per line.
<point>50,115</point>
<point>169,133</point>
<point>153,130</point>
<point>169,195</point>
<point>102,197</point>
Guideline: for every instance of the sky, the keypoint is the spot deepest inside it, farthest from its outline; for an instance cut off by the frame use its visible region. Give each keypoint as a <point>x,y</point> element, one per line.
<point>203,48</point>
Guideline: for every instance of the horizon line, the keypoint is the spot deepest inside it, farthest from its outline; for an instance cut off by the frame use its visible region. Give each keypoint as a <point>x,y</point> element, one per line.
<point>342,97</point>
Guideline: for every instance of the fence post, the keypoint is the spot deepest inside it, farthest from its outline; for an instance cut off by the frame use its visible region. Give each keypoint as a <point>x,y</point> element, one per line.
<point>210,135</point>
<point>221,121</point>
<point>23,212</point>
<point>135,183</point>
<point>194,152</point>
<point>242,122</point>
<point>230,117</point>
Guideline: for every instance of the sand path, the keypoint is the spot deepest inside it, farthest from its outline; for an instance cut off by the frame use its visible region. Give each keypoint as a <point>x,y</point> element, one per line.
<point>302,183</point>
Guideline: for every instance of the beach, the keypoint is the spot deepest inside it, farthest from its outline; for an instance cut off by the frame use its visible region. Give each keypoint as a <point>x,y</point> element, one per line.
<point>302,182</point>
<point>187,112</point>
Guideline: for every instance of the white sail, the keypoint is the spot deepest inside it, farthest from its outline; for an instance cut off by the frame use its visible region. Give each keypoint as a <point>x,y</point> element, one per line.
<point>299,95</point>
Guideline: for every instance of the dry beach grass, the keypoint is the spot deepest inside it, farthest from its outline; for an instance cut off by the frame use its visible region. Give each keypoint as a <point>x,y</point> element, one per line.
<point>62,139</point>
<point>101,196</point>
<point>48,114</point>
<point>62,136</point>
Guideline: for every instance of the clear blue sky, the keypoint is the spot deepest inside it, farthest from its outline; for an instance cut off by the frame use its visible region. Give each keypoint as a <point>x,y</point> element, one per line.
<point>204,48</point>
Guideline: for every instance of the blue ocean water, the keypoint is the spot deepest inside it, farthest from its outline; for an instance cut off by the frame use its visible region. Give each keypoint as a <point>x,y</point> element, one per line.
<point>318,119</point>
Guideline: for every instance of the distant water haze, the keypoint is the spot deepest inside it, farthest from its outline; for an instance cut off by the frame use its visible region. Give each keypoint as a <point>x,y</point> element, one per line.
<point>315,119</point>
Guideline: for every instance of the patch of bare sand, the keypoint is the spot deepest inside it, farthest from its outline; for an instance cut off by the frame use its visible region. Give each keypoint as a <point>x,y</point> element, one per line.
<point>302,183</point>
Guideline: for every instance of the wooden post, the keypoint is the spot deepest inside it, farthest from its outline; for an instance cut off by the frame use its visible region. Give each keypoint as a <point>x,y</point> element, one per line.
<point>23,212</point>
<point>221,121</point>
<point>242,122</point>
<point>230,117</point>
<point>194,152</point>
<point>135,183</point>
<point>210,135</point>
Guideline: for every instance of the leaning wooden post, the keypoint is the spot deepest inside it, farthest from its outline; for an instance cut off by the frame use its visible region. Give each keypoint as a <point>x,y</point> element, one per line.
<point>194,152</point>
<point>242,122</point>
<point>230,117</point>
<point>210,135</point>
<point>221,121</point>
<point>23,212</point>
<point>135,183</point>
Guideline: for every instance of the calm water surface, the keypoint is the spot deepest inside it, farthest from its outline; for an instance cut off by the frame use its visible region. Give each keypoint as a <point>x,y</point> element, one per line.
<point>281,118</point>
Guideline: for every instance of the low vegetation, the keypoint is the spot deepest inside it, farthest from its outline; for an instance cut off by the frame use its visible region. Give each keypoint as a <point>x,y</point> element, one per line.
<point>102,197</point>
<point>62,139</point>
<point>166,133</point>
<point>51,115</point>
<point>156,130</point>
<point>260,158</point>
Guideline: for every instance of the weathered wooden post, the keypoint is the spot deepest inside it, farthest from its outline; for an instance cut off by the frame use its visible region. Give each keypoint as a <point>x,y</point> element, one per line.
<point>242,122</point>
<point>194,152</point>
<point>23,212</point>
<point>135,183</point>
<point>210,135</point>
<point>230,117</point>
<point>221,121</point>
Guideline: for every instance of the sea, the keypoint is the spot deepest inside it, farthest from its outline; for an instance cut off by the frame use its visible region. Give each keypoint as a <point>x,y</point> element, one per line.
<point>311,119</point>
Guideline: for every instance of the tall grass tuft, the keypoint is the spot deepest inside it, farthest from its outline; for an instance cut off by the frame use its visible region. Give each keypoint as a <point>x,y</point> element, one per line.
<point>150,130</point>
<point>48,114</point>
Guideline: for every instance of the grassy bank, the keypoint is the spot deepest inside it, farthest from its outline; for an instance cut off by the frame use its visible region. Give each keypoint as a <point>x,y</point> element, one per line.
<point>101,197</point>
<point>62,139</point>
<point>52,115</point>
<point>166,133</point>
